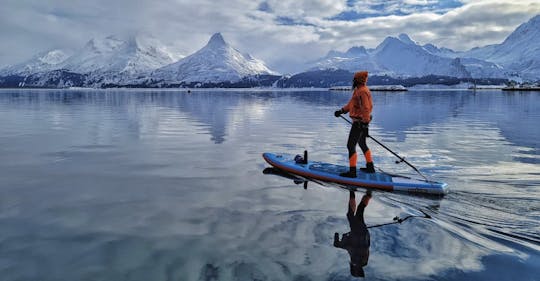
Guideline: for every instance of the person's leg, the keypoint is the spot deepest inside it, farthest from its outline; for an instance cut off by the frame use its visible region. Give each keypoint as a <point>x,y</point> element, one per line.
<point>352,203</point>
<point>362,206</point>
<point>351,208</point>
<point>352,214</point>
<point>354,136</point>
<point>365,149</point>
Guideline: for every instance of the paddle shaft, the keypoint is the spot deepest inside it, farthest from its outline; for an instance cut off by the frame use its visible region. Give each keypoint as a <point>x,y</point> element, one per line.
<point>401,159</point>
<point>399,220</point>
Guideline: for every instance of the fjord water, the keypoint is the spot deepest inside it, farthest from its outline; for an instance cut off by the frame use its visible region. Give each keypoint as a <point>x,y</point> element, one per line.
<point>168,185</point>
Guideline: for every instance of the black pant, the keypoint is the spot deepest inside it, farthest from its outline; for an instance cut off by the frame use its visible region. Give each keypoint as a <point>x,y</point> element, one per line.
<point>356,221</point>
<point>357,135</point>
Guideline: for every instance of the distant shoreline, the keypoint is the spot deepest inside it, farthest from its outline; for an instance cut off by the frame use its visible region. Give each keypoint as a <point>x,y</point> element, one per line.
<point>435,88</point>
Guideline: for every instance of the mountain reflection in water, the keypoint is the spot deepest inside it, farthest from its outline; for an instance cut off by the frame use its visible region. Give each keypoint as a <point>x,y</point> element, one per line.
<point>167,185</point>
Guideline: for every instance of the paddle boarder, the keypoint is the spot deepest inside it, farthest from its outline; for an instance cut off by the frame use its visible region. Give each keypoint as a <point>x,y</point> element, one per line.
<point>357,241</point>
<point>359,108</point>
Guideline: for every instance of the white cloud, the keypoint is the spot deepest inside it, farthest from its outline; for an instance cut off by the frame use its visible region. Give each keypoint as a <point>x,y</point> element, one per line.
<point>307,8</point>
<point>28,27</point>
<point>419,2</point>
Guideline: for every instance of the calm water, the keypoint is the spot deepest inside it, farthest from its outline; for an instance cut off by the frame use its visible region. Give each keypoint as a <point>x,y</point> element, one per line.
<point>166,185</point>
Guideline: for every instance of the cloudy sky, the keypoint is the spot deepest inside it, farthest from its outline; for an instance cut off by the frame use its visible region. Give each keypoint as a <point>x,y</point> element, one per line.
<point>283,33</point>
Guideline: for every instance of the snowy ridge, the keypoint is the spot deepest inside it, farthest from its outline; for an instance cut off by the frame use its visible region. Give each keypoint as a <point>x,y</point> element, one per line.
<point>350,60</point>
<point>107,60</point>
<point>442,52</point>
<point>402,57</point>
<point>42,62</point>
<point>215,62</point>
<point>142,61</point>
<point>395,56</point>
<point>130,56</point>
<point>518,53</point>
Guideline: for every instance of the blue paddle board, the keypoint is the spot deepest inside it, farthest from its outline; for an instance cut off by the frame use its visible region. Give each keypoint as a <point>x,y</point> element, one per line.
<point>327,172</point>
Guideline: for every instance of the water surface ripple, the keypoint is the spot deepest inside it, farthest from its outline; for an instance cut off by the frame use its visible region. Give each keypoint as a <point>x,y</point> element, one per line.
<point>168,185</point>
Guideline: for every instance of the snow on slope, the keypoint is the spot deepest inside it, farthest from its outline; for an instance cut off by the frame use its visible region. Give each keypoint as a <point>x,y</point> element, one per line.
<point>42,62</point>
<point>354,59</point>
<point>129,56</point>
<point>478,68</point>
<point>519,52</point>
<point>215,62</point>
<point>401,56</point>
<point>442,52</point>
<point>395,56</point>
<point>404,57</point>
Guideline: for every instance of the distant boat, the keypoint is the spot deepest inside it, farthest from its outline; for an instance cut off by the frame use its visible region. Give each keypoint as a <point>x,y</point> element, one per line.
<point>486,87</point>
<point>522,88</point>
<point>390,88</point>
<point>340,88</point>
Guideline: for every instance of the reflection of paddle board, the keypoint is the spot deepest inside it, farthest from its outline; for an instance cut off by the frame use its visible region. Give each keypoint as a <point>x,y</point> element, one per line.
<point>330,173</point>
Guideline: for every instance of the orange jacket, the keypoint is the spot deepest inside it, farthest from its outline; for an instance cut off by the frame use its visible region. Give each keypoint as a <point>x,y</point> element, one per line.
<point>360,105</point>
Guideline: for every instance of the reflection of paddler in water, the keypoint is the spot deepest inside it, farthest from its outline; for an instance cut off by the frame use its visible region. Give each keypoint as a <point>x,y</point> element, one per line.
<point>356,242</point>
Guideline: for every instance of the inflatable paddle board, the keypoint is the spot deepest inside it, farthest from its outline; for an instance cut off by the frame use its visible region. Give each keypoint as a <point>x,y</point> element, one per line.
<point>327,172</point>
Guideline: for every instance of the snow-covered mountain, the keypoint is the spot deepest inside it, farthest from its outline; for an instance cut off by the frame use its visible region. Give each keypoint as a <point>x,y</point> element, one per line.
<point>141,61</point>
<point>518,53</point>
<point>442,52</point>
<point>102,57</point>
<point>42,62</point>
<point>401,56</point>
<point>216,62</point>
<point>113,54</point>
<point>349,60</point>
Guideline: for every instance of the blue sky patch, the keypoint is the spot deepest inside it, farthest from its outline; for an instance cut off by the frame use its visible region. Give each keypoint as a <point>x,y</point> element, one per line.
<point>358,10</point>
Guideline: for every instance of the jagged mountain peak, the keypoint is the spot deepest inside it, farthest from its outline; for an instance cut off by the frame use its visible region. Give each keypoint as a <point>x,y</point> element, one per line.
<point>531,28</point>
<point>444,52</point>
<point>356,50</point>
<point>406,39</point>
<point>333,53</point>
<point>519,52</point>
<point>55,56</point>
<point>129,54</point>
<point>351,52</point>
<point>535,20</point>
<point>42,62</point>
<point>395,56</point>
<point>217,40</point>
<point>216,62</point>
<point>401,41</point>
<point>107,44</point>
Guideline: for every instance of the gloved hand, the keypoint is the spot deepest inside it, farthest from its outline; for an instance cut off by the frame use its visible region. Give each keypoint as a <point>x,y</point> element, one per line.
<point>338,113</point>
<point>363,125</point>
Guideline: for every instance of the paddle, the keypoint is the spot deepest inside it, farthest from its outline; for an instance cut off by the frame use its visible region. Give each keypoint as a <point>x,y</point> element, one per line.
<point>400,220</point>
<point>401,159</point>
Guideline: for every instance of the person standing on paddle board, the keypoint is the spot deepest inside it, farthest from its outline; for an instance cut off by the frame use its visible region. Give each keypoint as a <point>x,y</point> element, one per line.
<point>357,241</point>
<point>359,108</point>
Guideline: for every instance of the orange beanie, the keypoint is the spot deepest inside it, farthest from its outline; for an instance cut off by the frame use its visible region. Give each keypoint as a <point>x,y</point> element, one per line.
<point>361,77</point>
